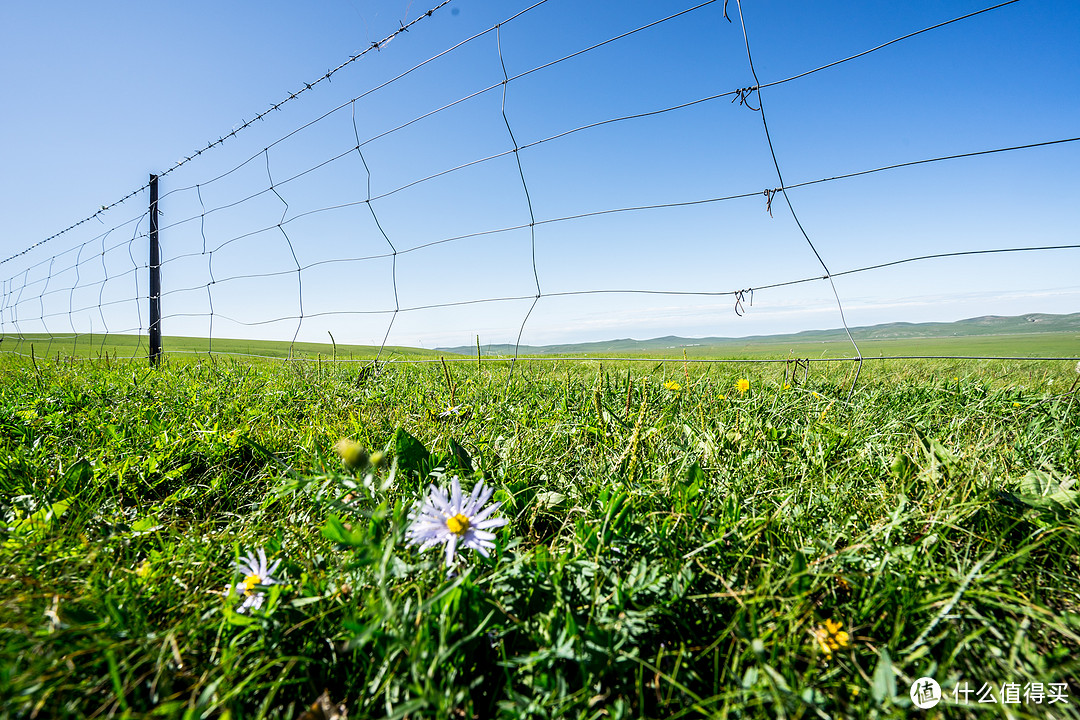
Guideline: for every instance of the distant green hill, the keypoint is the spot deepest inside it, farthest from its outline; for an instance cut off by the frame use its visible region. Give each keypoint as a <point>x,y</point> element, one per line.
<point>1024,336</point>
<point>901,334</point>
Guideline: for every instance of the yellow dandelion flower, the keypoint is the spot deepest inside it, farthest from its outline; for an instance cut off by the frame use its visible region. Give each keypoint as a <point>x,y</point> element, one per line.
<point>743,385</point>
<point>787,386</point>
<point>672,385</point>
<point>831,637</point>
<point>722,396</point>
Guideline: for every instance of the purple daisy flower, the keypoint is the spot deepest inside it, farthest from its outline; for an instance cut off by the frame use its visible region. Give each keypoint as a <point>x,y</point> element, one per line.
<point>455,521</point>
<point>257,573</point>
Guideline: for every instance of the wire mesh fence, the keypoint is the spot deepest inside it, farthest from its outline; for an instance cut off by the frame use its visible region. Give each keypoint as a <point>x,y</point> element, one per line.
<point>444,201</point>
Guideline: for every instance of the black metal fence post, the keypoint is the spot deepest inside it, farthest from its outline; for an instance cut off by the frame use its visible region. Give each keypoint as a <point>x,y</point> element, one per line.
<point>155,276</point>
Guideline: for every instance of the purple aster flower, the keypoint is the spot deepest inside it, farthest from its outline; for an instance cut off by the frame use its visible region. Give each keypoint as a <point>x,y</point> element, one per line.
<point>455,521</point>
<point>257,573</point>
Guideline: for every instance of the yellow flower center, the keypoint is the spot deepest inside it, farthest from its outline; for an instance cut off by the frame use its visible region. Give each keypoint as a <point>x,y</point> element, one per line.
<point>458,524</point>
<point>250,582</point>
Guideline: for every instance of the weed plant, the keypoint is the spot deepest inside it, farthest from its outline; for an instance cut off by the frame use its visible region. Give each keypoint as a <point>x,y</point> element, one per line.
<point>676,547</point>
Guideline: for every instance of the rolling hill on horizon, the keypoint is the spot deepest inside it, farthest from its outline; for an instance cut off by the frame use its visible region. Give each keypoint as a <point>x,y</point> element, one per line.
<point>1030,335</point>
<point>983,326</point>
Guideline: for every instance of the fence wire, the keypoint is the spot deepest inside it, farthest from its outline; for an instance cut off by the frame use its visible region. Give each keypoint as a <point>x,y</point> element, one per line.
<point>96,286</point>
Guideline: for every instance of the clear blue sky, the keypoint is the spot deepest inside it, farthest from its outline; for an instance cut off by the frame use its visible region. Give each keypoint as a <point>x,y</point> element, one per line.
<point>98,96</point>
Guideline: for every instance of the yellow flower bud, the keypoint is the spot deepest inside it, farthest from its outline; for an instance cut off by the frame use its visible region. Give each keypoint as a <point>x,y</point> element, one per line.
<point>354,456</point>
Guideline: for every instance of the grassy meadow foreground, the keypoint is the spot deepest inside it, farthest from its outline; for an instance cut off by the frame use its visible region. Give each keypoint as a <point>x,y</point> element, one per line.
<point>683,540</point>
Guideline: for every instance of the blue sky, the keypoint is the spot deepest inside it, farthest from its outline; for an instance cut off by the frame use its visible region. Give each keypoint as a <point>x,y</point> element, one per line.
<point>100,96</point>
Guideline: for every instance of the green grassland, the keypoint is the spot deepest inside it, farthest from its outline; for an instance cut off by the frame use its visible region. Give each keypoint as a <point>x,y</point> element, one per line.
<point>119,347</point>
<point>1034,334</point>
<point>803,345</point>
<point>1029,345</point>
<point>675,548</point>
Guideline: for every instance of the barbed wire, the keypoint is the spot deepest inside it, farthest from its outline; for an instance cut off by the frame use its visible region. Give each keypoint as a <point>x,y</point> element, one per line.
<point>741,94</point>
<point>382,231</point>
<point>737,293</point>
<point>596,213</point>
<point>528,198</point>
<point>244,125</point>
<point>110,275</point>
<point>470,96</point>
<point>787,199</point>
<point>740,295</point>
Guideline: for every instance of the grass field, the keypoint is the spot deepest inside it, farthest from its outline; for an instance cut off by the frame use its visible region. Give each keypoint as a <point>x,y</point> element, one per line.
<point>675,547</point>
<point>121,347</point>
<point>1030,344</point>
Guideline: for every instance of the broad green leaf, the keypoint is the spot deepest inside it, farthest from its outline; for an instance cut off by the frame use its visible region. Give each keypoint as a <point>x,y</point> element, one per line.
<point>884,681</point>
<point>145,525</point>
<point>549,499</point>
<point>41,519</point>
<point>410,452</point>
<point>461,455</point>
<point>694,474</point>
<point>78,476</point>
<point>336,531</point>
<point>1045,490</point>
